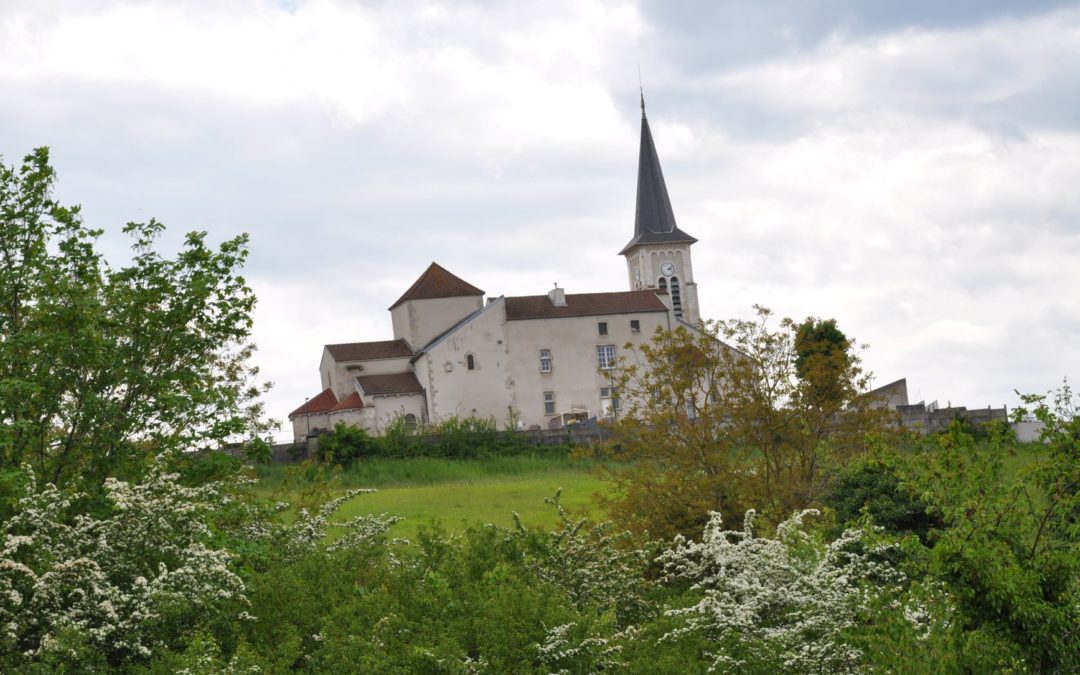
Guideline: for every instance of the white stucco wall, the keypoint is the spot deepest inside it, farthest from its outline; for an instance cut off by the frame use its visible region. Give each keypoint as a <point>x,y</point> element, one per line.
<point>420,321</point>
<point>485,391</point>
<point>381,410</point>
<point>302,424</point>
<point>575,377</point>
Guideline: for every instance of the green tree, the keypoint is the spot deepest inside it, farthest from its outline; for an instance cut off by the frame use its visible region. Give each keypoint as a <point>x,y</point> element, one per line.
<point>721,420</point>
<point>100,366</point>
<point>822,359</point>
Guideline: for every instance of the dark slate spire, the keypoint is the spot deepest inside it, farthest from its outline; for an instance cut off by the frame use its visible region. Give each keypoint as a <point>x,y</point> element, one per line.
<point>654,221</point>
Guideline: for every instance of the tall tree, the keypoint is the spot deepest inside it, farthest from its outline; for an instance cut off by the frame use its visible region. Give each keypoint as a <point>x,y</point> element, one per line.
<point>720,420</point>
<point>102,365</point>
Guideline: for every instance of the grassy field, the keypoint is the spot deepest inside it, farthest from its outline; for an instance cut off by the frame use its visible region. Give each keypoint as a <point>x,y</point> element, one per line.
<point>456,492</point>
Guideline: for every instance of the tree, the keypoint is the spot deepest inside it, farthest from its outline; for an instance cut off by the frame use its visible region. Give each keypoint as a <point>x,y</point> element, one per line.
<point>721,420</point>
<point>101,367</point>
<point>821,360</point>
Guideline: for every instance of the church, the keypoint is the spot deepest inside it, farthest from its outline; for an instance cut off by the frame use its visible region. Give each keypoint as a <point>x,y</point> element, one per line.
<point>537,361</point>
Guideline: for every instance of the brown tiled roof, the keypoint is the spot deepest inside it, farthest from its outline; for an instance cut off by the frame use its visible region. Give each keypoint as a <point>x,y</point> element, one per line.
<point>324,402</point>
<point>395,383</point>
<point>584,304</point>
<point>436,282</point>
<point>350,402</point>
<point>366,351</point>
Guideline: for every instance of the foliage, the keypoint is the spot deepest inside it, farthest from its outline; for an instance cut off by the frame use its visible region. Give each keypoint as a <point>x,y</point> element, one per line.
<point>782,603</point>
<point>1008,554</point>
<point>721,419</point>
<point>822,359</point>
<point>101,367</point>
<point>80,590</point>
<point>872,485</point>
<point>453,437</point>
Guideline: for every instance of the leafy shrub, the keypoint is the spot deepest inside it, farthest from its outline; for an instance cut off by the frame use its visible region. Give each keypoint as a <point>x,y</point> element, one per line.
<point>81,590</point>
<point>346,444</point>
<point>873,484</point>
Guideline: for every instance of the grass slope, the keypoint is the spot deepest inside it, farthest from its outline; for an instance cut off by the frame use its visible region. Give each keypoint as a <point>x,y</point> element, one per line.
<point>460,492</point>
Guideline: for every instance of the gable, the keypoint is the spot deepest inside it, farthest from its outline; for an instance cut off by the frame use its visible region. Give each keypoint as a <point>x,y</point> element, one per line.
<point>437,282</point>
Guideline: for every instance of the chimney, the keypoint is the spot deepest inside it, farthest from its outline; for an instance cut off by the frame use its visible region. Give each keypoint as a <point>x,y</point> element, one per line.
<point>557,296</point>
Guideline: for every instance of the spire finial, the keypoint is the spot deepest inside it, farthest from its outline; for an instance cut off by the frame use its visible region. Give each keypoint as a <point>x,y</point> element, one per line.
<point>641,88</point>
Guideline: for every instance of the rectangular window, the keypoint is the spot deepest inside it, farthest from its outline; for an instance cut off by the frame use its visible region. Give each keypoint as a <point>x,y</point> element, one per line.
<point>605,356</point>
<point>549,403</point>
<point>609,398</point>
<point>635,326</point>
<point>545,360</point>
<point>602,327</point>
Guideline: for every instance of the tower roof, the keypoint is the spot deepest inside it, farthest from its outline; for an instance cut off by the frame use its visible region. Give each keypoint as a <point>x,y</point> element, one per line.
<point>436,282</point>
<point>654,220</point>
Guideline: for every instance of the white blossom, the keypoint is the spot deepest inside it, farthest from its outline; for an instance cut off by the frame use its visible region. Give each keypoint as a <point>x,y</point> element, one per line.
<point>786,600</point>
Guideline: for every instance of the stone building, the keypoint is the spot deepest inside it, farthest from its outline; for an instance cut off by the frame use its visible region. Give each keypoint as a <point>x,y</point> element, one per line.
<point>531,361</point>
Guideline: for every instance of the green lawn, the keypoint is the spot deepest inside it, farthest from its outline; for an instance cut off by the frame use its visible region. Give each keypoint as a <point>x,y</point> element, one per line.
<point>461,492</point>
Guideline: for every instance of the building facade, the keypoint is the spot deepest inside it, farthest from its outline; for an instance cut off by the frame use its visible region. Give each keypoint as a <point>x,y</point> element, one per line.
<point>529,361</point>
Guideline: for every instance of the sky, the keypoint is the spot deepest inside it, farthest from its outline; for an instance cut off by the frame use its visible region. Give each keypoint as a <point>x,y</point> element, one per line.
<point>910,168</point>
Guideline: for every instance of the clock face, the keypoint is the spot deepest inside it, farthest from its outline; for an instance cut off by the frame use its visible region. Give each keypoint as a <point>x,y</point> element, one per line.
<point>667,269</point>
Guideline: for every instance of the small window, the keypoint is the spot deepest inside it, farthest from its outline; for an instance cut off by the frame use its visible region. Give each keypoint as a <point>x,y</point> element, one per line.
<point>410,421</point>
<point>635,326</point>
<point>609,400</point>
<point>549,403</point>
<point>602,327</point>
<point>470,362</point>
<point>545,360</point>
<point>605,356</point>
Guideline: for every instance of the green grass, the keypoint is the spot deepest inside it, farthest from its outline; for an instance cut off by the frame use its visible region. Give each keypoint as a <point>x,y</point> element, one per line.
<point>458,492</point>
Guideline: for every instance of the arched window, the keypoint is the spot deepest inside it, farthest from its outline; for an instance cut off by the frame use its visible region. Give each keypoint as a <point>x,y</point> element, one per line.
<point>470,362</point>
<point>410,421</point>
<point>676,299</point>
<point>662,284</point>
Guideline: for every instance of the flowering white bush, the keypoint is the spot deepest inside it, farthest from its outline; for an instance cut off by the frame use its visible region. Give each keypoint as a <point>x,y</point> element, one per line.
<point>115,585</point>
<point>785,601</point>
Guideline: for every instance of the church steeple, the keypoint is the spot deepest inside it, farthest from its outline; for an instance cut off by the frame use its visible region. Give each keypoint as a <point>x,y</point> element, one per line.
<point>654,219</point>
<point>658,256</point>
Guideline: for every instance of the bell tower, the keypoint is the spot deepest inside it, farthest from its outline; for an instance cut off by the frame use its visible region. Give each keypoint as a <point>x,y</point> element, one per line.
<point>659,254</point>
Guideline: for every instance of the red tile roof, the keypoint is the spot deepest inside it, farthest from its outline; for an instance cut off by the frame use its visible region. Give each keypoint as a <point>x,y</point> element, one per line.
<point>367,351</point>
<point>395,383</point>
<point>436,282</point>
<point>324,402</point>
<point>584,304</point>
<point>350,402</point>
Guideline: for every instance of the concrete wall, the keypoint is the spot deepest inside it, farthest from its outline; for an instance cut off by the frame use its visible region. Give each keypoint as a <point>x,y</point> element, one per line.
<point>575,377</point>
<point>420,321</point>
<point>453,389</point>
<point>918,418</point>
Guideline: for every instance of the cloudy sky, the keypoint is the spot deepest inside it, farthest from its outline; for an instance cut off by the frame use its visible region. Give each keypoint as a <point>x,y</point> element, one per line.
<point>908,168</point>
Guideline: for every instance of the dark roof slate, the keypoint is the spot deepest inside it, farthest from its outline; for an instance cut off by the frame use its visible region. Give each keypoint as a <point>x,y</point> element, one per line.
<point>394,383</point>
<point>437,282</point>
<point>583,304</point>
<point>654,219</point>
<point>368,351</point>
<point>324,402</point>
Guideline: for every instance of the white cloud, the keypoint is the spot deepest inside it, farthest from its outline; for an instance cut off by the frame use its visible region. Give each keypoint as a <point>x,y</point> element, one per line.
<point>918,185</point>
